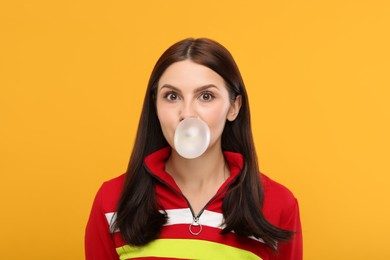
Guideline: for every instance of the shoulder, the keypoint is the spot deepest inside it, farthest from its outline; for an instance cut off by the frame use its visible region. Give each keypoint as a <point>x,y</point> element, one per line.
<point>276,191</point>
<point>110,192</point>
<point>279,202</point>
<point>114,184</point>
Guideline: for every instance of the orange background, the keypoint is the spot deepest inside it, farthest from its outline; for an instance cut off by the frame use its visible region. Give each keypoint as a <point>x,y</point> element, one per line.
<point>73,76</point>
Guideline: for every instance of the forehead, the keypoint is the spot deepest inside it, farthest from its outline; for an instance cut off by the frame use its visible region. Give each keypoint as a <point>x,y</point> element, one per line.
<point>190,74</point>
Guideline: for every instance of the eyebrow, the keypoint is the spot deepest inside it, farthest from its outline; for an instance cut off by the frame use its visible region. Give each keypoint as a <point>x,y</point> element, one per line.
<point>199,89</point>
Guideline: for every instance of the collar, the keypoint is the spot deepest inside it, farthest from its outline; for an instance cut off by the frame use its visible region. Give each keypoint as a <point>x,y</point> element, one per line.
<point>155,165</point>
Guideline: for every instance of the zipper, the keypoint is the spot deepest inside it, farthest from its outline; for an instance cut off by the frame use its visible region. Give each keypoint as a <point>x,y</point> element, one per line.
<point>195,228</point>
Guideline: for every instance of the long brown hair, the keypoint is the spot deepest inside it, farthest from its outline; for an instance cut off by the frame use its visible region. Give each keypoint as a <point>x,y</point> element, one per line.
<point>138,217</point>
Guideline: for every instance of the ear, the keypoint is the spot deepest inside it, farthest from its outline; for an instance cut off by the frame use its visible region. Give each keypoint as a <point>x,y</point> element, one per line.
<point>234,109</point>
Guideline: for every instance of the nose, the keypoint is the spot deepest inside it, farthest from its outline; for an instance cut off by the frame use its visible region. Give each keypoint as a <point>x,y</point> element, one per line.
<point>187,110</point>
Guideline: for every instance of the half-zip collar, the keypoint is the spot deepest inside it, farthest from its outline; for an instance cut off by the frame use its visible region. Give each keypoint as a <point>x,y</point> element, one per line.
<point>155,163</point>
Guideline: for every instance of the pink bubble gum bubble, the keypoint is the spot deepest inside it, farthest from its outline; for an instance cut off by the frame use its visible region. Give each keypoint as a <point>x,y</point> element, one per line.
<point>192,137</point>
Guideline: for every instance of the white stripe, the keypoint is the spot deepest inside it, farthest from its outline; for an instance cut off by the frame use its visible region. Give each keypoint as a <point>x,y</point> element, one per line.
<point>111,217</point>
<point>184,216</point>
<point>207,218</point>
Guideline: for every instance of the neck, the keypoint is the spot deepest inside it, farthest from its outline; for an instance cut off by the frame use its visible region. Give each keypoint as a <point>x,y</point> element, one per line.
<point>208,169</point>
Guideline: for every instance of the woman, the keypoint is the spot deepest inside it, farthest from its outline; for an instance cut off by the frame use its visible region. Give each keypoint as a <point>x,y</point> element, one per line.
<point>215,206</point>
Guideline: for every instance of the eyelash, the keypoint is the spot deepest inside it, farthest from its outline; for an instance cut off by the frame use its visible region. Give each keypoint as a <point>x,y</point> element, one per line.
<point>207,93</point>
<point>168,95</point>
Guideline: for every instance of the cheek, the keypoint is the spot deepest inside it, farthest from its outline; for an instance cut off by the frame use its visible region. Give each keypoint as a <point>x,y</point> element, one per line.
<point>167,123</point>
<point>163,114</point>
<point>217,124</point>
<point>216,120</point>
<point>165,120</point>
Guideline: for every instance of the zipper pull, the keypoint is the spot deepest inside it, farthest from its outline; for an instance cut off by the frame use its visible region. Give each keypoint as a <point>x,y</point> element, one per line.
<point>195,228</point>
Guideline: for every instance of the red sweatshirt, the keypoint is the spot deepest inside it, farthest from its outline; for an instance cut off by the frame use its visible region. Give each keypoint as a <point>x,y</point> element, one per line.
<point>186,236</point>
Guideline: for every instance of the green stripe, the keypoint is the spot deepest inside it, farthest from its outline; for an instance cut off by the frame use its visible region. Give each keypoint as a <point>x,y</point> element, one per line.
<point>185,249</point>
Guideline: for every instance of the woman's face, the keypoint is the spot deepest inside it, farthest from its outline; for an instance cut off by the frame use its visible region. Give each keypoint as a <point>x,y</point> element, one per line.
<point>187,89</point>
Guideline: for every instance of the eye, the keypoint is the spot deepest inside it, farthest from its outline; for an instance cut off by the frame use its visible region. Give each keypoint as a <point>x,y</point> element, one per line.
<point>171,96</point>
<point>206,96</point>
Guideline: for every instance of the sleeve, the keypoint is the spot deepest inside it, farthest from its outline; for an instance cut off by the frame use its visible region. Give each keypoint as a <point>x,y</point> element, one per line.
<point>99,244</point>
<point>293,249</point>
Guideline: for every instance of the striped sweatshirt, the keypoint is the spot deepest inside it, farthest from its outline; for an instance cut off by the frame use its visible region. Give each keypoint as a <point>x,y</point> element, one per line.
<point>186,235</point>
